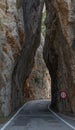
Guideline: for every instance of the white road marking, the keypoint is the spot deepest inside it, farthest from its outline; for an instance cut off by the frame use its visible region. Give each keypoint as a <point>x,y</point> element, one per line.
<point>3,128</point>
<point>68,124</point>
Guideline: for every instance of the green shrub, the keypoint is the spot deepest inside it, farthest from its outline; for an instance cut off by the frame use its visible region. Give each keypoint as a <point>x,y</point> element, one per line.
<point>37,79</point>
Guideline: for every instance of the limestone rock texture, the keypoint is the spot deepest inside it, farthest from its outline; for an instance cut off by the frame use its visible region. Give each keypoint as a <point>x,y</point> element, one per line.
<point>11,41</point>
<point>20,34</point>
<point>37,85</point>
<point>59,52</point>
<point>32,16</point>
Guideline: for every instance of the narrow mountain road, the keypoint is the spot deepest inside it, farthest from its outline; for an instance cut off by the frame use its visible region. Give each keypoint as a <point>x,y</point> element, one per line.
<point>35,115</point>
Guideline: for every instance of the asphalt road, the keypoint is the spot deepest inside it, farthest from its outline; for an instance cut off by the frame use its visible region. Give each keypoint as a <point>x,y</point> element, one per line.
<point>36,116</point>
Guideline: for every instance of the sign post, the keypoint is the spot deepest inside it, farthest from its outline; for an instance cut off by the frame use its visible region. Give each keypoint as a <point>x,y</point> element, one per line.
<point>63,94</point>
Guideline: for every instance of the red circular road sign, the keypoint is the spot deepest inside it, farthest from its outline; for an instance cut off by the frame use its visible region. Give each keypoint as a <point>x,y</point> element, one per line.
<point>63,94</point>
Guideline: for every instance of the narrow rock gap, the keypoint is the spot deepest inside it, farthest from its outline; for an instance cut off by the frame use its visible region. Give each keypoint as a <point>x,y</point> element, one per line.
<point>20,32</point>
<point>38,84</point>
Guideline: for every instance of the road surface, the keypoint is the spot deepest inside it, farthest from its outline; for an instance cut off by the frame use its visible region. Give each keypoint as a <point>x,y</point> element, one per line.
<point>35,115</point>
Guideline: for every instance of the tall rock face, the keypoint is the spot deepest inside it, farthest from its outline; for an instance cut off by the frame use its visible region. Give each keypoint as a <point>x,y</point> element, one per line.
<point>59,52</point>
<point>32,15</point>
<point>20,30</point>
<point>37,85</point>
<point>11,42</point>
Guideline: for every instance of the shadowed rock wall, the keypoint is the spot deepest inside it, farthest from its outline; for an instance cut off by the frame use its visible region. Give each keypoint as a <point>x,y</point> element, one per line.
<point>59,52</point>
<point>20,30</point>
<point>32,13</point>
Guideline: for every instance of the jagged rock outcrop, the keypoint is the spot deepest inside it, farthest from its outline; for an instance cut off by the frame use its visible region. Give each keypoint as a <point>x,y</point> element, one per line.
<point>59,51</point>
<point>37,85</point>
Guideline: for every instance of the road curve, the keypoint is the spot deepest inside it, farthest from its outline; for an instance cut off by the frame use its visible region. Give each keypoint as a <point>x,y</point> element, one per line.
<point>35,115</point>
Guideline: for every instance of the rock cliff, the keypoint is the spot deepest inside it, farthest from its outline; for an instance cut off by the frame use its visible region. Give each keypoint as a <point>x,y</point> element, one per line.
<point>11,41</point>
<point>59,53</point>
<point>20,29</point>
<point>37,85</point>
<point>32,16</point>
<point>20,33</point>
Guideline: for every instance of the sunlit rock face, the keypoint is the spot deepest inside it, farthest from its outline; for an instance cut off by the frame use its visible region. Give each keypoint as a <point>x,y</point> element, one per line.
<point>59,51</point>
<point>38,84</point>
<point>11,41</point>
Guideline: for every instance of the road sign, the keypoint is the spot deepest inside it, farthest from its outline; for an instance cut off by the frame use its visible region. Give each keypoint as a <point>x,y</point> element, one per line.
<point>63,94</point>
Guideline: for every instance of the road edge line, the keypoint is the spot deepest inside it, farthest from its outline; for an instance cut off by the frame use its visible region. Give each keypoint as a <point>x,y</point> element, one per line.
<point>12,118</point>
<point>68,124</point>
